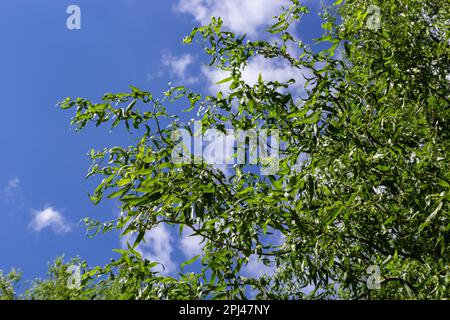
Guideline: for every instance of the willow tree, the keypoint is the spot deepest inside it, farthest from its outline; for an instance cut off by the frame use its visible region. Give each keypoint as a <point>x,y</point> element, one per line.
<point>363,180</point>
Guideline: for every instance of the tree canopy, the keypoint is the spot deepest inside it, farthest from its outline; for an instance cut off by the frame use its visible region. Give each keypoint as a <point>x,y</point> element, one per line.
<point>362,179</point>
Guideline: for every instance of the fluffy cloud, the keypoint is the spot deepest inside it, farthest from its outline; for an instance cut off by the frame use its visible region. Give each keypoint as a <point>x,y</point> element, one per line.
<point>270,70</point>
<point>11,192</point>
<point>240,16</point>
<point>178,66</point>
<point>13,184</point>
<point>190,245</point>
<point>255,268</point>
<point>218,150</point>
<point>251,17</point>
<point>50,218</point>
<point>157,247</point>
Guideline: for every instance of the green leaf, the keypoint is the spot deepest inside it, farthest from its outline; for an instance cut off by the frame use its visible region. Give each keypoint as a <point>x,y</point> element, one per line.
<point>225,80</point>
<point>189,262</point>
<point>384,168</point>
<point>298,114</point>
<point>313,118</point>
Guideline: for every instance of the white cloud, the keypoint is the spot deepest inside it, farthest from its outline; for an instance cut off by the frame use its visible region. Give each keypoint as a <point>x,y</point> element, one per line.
<point>157,247</point>
<point>50,218</point>
<point>270,70</point>
<point>191,245</point>
<point>256,268</point>
<point>178,66</point>
<point>251,17</point>
<point>219,150</point>
<point>240,16</point>
<point>13,184</point>
<point>11,192</point>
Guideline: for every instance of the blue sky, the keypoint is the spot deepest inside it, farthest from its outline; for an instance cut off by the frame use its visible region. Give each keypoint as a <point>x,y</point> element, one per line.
<point>43,193</point>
